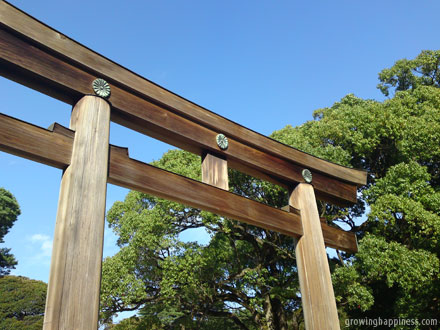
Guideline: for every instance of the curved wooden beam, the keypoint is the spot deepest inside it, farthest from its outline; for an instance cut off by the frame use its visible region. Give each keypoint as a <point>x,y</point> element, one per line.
<point>46,60</point>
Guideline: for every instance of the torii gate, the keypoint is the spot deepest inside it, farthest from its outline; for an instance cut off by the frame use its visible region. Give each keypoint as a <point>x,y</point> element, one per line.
<point>100,90</point>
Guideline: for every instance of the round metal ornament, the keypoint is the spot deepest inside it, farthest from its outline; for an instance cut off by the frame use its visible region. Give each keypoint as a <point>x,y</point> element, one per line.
<point>222,141</point>
<point>307,175</point>
<point>101,88</point>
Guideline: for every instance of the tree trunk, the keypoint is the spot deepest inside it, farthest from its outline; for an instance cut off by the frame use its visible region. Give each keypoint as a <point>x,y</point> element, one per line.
<point>268,313</point>
<point>279,314</point>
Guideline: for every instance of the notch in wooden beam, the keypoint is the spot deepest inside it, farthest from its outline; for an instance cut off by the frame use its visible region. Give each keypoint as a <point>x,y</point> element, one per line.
<point>33,54</point>
<point>54,148</point>
<point>334,237</point>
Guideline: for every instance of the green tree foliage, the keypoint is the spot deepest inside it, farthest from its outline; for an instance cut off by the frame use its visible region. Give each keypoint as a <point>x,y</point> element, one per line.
<point>22,303</point>
<point>247,275</point>
<point>405,74</point>
<point>9,211</point>
<point>244,278</point>
<point>396,272</point>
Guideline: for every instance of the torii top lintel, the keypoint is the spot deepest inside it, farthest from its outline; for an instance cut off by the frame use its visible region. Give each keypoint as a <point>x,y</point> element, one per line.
<point>37,56</point>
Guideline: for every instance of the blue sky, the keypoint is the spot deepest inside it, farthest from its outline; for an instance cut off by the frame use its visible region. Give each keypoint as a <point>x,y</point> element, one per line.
<point>263,64</point>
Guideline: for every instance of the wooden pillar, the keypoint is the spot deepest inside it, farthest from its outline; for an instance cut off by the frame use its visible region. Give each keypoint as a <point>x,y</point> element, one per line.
<point>215,171</point>
<point>75,273</point>
<point>317,296</point>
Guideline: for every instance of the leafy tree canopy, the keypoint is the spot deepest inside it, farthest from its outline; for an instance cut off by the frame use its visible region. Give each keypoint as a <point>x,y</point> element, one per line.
<point>9,211</point>
<point>22,302</point>
<point>247,276</point>
<point>405,74</point>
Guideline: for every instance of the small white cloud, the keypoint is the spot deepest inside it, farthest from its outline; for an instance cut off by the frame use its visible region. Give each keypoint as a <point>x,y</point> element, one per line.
<point>46,248</point>
<point>45,243</point>
<point>39,238</point>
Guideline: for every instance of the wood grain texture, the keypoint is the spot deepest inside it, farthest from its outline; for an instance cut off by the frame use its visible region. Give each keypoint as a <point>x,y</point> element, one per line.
<point>132,174</point>
<point>143,116</point>
<point>75,273</point>
<point>32,142</point>
<point>75,53</point>
<point>54,148</point>
<point>215,171</point>
<point>317,296</point>
<point>334,237</point>
<point>339,239</point>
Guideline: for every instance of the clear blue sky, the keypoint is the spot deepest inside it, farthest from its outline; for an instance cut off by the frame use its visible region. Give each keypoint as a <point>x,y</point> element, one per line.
<point>263,64</point>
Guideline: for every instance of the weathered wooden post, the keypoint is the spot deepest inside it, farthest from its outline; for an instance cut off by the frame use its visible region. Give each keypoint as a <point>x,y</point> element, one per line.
<point>38,56</point>
<point>215,167</point>
<point>317,295</point>
<point>75,273</point>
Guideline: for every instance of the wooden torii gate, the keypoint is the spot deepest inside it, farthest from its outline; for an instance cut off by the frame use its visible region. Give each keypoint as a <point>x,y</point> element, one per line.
<point>100,90</point>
